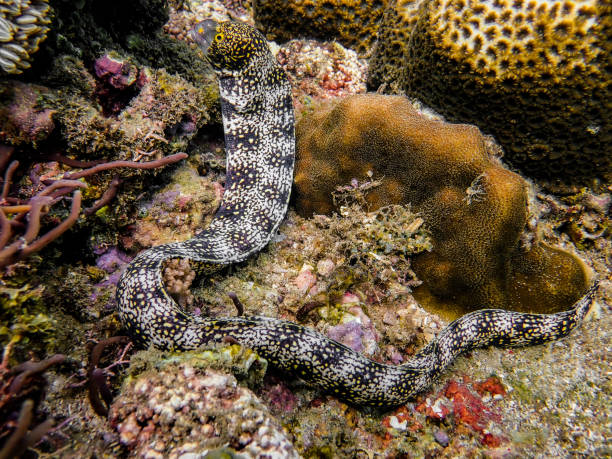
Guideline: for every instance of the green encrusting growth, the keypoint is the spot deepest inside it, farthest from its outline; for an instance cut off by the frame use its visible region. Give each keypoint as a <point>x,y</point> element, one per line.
<point>259,136</point>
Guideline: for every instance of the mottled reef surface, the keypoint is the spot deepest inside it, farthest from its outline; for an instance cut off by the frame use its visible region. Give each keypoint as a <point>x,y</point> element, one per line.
<point>143,95</point>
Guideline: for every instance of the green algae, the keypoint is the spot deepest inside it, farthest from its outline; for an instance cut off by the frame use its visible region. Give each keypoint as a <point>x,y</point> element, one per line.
<point>243,363</point>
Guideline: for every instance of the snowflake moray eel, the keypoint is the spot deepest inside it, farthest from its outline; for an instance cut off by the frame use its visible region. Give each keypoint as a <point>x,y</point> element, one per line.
<point>258,123</point>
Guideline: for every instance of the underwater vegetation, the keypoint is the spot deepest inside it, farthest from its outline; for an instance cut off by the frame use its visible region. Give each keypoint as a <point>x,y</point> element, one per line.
<point>476,209</point>
<point>22,389</point>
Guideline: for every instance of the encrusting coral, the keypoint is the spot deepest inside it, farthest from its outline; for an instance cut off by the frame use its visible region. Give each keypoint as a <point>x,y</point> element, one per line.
<point>23,26</point>
<point>475,208</point>
<point>352,22</point>
<point>181,410</point>
<point>533,73</point>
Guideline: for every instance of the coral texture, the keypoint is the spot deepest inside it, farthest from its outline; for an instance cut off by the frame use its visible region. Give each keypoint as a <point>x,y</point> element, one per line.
<point>533,73</point>
<point>23,119</point>
<point>23,26</point>
<point>321,71</point>
<point>352,22</point>
<point>475,209</point>
<point>181,411</point>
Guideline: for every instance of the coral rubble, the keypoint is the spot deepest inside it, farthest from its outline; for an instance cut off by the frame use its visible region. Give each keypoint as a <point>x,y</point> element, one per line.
<point>475,208</point>
<point>23,26</point>
<point>321,71</point>
<point>535,74</point>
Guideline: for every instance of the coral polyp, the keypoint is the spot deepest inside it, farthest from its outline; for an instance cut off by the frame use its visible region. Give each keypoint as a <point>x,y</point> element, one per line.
<point>23,26</point>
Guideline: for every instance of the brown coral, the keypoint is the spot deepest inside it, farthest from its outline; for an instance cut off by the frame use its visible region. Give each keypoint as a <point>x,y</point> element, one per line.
<point>352,22</point>
<point>533,73</point>
<point>475,209</point>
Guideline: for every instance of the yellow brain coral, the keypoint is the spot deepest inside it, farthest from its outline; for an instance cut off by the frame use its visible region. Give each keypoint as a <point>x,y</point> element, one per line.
<point>23,26</point>
<point>475,209</point>
<point>535,73</point>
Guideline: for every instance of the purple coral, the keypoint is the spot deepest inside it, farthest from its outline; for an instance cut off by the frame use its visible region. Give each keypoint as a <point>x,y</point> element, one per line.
<point>117,73</point>
<point>358,333</point>
<point>112,260</point>
<point>118,82</point>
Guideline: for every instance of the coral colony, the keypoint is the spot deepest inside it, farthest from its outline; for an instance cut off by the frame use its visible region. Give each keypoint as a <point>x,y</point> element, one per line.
<point>451,155</point>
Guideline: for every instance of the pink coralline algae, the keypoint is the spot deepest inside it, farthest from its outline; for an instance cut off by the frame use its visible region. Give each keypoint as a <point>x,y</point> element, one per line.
<point>22,118</point>
<point>118,81</point>
<point>279,397</point>
<point>118,73</point>
<point>112,260</point>
<point>356,331</point>
<point>320,70</point>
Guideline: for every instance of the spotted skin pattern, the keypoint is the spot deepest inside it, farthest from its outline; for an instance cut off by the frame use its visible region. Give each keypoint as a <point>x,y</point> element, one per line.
<point>260,144</point>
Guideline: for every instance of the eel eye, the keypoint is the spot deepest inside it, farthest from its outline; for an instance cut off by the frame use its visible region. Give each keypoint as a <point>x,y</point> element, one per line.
<point>219,37</point>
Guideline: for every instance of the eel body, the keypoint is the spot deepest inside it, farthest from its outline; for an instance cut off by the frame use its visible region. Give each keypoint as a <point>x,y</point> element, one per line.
<point>260,145</point>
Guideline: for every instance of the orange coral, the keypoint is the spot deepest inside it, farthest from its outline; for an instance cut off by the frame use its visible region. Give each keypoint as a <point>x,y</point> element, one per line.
<point>475,208</point>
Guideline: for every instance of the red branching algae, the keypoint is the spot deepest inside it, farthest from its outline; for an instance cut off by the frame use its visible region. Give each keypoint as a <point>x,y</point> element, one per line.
<point>100,395</point>
<point>401,419</point>
<point>21,390</point>
<point>132,164</point>
<point>19,235</point>
<point>490,385</point>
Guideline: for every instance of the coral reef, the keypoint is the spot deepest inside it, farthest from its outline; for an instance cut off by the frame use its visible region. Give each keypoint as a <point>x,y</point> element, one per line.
<point>23,119</point>
<point>94,81</point>
<point>182,409</point>
<point>182,19</point>
<point>321,71</point>
<point>178,276</point>
<point>147,114</point>
<point>475,209</point>
<point>353,23</point>
<point>534,74</point>
<point>183,206</point>
<point>23,26</point>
